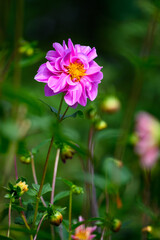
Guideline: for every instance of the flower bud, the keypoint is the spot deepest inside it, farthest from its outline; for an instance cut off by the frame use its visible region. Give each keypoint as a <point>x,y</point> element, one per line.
<point>100,125</point>
<point>147,229</point>
<point>116,225</point>
<point>23,187</point>
<point>110,104</point>
<point>91,113</point>
<point>77,190</point>
<point>25,159</point>
<point>29,51</point>
<point>66,152</point>
<point>56,218</point>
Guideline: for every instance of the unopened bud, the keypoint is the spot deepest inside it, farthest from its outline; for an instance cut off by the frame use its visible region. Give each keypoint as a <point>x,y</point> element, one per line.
<point>23,187</point>
<point>25,159</point>
<point>91,113</point>
<point>110,104</point>
<point>77,190</point>
<point>147,229</point>
<point>100,125</point>
<point>66,152</point>
<point>56,218</point>
<point>116,225</point>
<point>29,51</point>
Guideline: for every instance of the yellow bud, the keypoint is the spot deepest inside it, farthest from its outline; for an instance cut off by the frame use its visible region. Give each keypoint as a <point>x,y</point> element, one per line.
<point>147,229</point>
<point>56,218</point>
<point>100,125</point>
<point>110,104</point>
<point>116,225</point>
<point>23,186</point>
<point>29,51</point>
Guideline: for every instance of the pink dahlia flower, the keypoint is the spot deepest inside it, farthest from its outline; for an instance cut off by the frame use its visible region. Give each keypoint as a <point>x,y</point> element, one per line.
<point>82,233</point>
<point>71,70</point>
<point>148,133</point>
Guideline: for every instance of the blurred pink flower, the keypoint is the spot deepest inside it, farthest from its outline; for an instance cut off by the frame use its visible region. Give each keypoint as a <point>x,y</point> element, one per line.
<point>82,233</point>
<point>71,69</point>
<point>148,133</point>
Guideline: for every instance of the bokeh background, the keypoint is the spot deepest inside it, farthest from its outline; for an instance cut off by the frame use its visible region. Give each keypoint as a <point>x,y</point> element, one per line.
<point>126,35</point>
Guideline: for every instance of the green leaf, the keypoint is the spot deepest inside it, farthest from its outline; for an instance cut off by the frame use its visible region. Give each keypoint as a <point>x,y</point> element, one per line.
<point>38,147</point>
<point>61,195</point>
<point>18,208</point>
<point>19,221</point>
<point>107,134</point>
<point>5,238</point>
<point>32,192</point>
<point>74,226</point>
<point>67,182</point>
<point>55,111</point>
<point>46,188</point>
<point>78,113</point>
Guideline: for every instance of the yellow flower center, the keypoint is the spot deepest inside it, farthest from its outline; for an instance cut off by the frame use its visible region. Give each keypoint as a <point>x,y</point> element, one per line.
<point>82,235</point>
<point>76,71</point>
<point>23,186</point>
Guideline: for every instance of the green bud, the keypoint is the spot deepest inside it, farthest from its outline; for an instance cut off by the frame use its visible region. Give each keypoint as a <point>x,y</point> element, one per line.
<point>110,104</point>
<point>25,160</point>
<point>56,218</point>
<point>77,190</point>
<point>100,125</point>
<point>29,51</point>
<point>91,113</point>
<point>116,225</point>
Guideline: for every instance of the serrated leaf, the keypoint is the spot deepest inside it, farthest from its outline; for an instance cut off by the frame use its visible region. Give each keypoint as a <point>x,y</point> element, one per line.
<point>78,113</point>
<point>19,221</point>
<point>69,183</point>
<point>61,195</point>
<point>18,208</point>
<point>46,188</point>
<point>32,192</point>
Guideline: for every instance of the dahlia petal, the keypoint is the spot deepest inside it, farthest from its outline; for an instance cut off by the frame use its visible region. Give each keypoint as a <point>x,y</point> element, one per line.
<point>58,64</point>
<point>43,74</point>
<point>92,94</point>
<point>85,49</point>
<point>48,91</point>
<point>61,83</point>
<point>52,55</point>
<point>51,67</point>
<point>150,158</point>
<point>71,46</point>
<point>72,96</point>
<point>59,49</point>
<point>82,59</point>
<point>93,68</point>
<point>92,54</point>
<point>66,59</point>
<point>64,45</point>
<point>83,97</point>
<point>96,77</point>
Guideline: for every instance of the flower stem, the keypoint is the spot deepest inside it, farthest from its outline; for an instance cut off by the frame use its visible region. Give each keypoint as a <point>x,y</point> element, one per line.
<point>9,217</point>
<point>42,181</point>
<point>39,225</point>
<point>70,215</point>
<point>35,178</point>
<point>60,106</point>
<point>64,114</point>
<point>54,175</point>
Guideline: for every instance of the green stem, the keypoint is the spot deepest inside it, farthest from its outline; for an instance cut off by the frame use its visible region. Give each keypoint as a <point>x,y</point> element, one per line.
<point>64,114</point>
<point>70,215</point>
<point>9,218</point>
<point>60,106</point>
<point>42,181</point>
